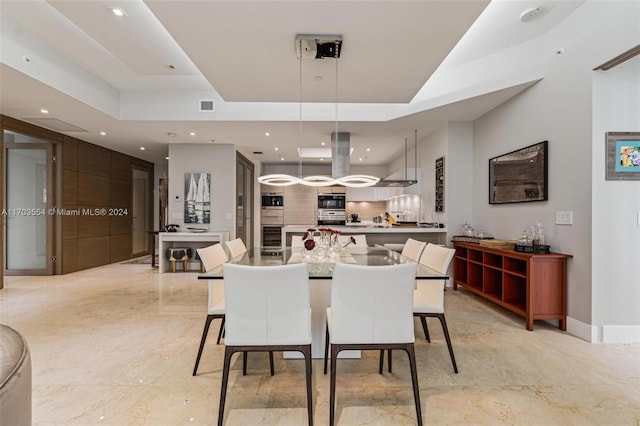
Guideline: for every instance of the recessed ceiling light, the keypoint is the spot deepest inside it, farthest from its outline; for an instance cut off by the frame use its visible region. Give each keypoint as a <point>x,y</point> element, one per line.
<point>368,149</point>
<point>275,149</point>
<point>192,133</point>
<point>359,159</point>
<point>166,158</point>
<point>103,133</point>
<point>281,158</point>
<point>322,159</point>
<point>142,148</point>
<point>266,134</point>
<point>44,111</point>
<point>322,143</point>
<point>118,12</point>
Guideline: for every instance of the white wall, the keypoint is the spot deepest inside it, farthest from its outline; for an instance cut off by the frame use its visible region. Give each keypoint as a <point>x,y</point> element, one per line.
<point>220,161</point>
<point>454,142</point>
<point>559,109</point>
<point>458,166</point>
<point>615,228</point>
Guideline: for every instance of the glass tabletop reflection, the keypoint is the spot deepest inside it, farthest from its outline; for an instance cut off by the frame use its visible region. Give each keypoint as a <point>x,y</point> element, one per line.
<point>323,268</point>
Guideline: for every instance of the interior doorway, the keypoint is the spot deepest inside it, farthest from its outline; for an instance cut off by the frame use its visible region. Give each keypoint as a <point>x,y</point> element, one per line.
<point>141,206</point>
<point>29,198</point>
<point>244,201</point>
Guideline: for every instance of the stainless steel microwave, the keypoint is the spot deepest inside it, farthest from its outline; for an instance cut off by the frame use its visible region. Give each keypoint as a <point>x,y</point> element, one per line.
<point>332,201</point>
<point>272,200</point>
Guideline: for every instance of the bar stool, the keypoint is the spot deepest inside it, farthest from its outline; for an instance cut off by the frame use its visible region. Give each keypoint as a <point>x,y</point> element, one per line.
<point>178,254</point>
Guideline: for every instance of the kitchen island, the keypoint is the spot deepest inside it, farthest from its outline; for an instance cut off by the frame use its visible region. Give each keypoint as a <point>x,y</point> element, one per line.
<point>375,234</point>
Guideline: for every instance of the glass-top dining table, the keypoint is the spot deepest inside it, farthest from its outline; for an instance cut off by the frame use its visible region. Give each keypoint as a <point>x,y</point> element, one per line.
<point>322,269</point>
<point>320,272</point>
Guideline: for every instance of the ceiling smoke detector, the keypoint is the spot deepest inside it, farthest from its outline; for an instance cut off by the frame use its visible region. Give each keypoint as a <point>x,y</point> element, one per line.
<point>531,14</point>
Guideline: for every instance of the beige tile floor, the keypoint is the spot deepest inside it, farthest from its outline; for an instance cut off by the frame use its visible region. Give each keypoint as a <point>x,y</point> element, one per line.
<point>115,345</point>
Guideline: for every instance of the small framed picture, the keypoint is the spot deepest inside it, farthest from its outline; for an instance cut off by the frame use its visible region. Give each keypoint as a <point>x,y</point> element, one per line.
<point>622,156</point>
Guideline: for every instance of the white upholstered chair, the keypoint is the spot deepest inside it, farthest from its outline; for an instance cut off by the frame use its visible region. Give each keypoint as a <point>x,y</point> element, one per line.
<point>236,248</point>
<point>361,240</point>
<point>428,300</point>
<point>413,249</point>
<point>211,257</point>
<point>267,309</point>
<point>371,308</point>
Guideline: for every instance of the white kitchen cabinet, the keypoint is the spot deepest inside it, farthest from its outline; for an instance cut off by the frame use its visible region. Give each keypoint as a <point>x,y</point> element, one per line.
<point>360,194</point>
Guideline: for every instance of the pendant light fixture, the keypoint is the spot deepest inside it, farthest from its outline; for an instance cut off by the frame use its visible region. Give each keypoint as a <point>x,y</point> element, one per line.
<point>319,47</point>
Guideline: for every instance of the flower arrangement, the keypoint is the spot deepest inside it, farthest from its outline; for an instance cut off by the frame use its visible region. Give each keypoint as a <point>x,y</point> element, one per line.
<point>330,234</point>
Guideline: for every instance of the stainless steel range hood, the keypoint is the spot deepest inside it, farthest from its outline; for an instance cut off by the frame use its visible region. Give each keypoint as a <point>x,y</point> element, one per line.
<point>400,183</point>
<point>340,163</point>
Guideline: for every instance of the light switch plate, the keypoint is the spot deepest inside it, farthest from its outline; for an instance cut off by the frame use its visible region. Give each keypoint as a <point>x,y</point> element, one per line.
<point>564,218</point>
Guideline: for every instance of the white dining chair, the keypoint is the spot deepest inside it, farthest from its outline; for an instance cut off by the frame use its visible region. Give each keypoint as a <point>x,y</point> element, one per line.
<point>371,308</point>
<point>211,257</point>
<point>413,249</point>
<point>267,309</point>
<point>236,248</point>
<point>428,300</point>
<point>361,240</point>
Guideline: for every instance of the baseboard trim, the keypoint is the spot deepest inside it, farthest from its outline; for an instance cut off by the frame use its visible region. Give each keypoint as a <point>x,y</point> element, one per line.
<point>621,334</point>
<point>605,333</point>
<point>582,330</point>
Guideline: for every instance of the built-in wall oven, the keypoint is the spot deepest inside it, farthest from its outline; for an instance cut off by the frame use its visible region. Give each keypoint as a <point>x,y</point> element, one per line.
<point>331,209</point>
<point>332,201</point>
<point>272,200</point>
<point>331,217</point>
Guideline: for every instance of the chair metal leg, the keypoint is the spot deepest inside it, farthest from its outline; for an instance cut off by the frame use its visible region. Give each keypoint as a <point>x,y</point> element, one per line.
<point>414,380</point>
<point>244,363</point>
<point>335,349</point>
<point>326,347</point>
<point>423,320</point>
<point>271,362</point>
<point>389,356</point>
<point>228,352</point>
<point>207,323</point>
<point>308,373</point>
<point>445,330</point>
<point>221,331</point>
<point>381,361</point>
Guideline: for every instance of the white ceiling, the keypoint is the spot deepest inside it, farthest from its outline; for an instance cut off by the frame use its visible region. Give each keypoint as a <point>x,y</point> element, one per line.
<point>405,65</point>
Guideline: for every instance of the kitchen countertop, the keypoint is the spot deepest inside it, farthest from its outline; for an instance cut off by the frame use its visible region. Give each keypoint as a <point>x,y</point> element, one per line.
<point>367,228</point>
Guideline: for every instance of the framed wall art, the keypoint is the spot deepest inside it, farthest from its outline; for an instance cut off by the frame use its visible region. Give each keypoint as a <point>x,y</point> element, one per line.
<point>519,176</point>
<point>197,205</point>
<point>439,205</point>
<point>622,156</point>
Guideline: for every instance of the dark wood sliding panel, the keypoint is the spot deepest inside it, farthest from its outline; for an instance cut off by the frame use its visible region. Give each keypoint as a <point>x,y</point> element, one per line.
<point>97,179</point>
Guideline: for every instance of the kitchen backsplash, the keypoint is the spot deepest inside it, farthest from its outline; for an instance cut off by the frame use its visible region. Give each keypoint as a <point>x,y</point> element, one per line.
<point>366,210</point>
<point>405,208</point>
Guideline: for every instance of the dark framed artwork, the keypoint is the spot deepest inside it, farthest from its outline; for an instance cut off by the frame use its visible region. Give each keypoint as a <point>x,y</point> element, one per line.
<point>622,156</point>
<point>439,204</point>
<point>519,176</point>
<point>197,205</point>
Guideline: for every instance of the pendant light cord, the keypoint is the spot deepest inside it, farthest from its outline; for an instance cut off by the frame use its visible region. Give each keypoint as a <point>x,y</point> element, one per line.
<point>300,107</point>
